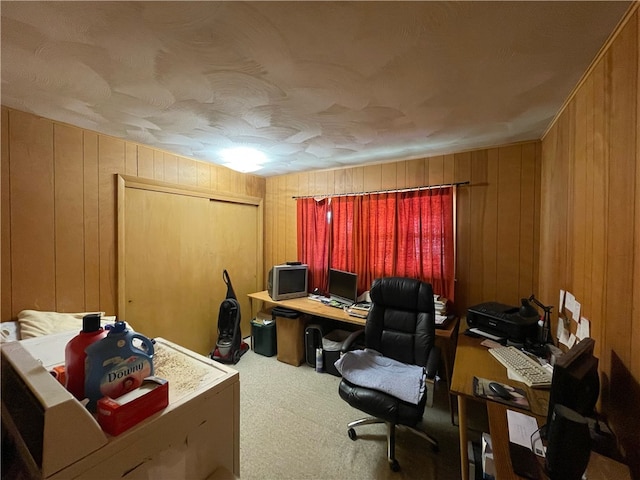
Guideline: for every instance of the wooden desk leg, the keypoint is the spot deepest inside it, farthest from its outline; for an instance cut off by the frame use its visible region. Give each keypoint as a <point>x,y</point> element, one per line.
<point>256,305</point>
<point>447,372</point>
<point>462,421</point>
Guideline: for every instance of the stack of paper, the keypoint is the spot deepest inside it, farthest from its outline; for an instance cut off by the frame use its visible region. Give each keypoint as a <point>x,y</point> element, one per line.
<point>441,309</point>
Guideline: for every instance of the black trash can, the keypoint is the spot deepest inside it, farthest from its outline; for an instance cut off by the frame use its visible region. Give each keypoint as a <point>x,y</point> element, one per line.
<point>331,349</point>
<point>263,336</point>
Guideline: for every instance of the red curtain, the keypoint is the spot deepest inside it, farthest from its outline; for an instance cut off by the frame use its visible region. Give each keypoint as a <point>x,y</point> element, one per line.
<point>377,237</point>
<point>313,239</point>
<point>342,226</point>
<point>408,234</point>
<point>425,246</point>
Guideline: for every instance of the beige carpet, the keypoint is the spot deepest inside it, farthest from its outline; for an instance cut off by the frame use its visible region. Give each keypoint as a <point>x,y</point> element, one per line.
<point>293,426</point>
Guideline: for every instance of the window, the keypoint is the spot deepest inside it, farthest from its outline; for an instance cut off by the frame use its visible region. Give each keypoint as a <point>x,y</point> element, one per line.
<point>407,234</point>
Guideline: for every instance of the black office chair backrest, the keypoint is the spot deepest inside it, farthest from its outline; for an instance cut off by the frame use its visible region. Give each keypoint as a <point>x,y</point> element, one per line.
<point>401,322</point>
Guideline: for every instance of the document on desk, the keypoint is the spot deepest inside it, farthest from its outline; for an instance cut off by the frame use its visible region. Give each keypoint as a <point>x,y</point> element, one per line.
<point>440,319</point>
<point>521,428</point>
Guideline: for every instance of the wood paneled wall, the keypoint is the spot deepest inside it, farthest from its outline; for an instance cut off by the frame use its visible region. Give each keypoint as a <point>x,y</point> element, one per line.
<point>497,214</point>
<point>536,217</point>
<point>59,210</point>
<point>590,222</point>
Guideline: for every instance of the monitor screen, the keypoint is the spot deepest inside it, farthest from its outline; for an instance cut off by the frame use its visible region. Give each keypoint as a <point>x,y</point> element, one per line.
<point>343,286</point>
<point>287,281</point>
<point>292,280</point>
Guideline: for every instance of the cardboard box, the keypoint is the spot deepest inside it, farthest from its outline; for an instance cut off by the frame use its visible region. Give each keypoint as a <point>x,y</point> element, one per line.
<point>115,415</point>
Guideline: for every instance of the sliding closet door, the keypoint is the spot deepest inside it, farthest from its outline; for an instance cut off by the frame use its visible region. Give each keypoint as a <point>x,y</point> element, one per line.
<point>235,234</point>
<point>175,247</point>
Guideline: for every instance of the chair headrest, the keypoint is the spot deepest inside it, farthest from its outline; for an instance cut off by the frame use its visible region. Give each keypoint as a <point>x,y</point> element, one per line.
<point>402,293</point>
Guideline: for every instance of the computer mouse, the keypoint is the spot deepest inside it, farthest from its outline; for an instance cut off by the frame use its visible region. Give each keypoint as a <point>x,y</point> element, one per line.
<point>499,390</point>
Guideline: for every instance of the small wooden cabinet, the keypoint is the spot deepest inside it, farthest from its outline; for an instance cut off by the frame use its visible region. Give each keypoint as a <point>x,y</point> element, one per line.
<point>195,436</point>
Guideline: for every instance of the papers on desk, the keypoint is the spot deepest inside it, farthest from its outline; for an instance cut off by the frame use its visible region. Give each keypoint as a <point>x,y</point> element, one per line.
<point>523,434</point>
<point>360,310</point>
<point>356,312</point>
<point>523,430</point>
<point>440,304</point>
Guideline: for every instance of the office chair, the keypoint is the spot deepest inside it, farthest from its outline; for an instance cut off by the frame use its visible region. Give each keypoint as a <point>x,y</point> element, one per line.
<point>400,326</point>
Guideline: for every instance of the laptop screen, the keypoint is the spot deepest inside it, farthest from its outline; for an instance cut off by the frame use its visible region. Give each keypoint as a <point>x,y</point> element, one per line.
<point>343,286</point>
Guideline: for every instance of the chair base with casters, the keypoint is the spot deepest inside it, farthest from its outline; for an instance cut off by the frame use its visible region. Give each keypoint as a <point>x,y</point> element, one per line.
<point>391,437</point>
<point>390,411</point>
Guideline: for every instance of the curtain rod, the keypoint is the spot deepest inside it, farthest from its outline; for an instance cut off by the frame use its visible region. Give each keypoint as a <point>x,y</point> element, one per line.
<point>395,190</point>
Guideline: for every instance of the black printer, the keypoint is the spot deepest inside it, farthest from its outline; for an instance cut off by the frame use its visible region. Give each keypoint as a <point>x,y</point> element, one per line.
<point>502,321</point>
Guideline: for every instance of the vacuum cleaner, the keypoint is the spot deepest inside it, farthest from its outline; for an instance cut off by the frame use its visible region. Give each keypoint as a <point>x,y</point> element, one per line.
<point>229,346</point>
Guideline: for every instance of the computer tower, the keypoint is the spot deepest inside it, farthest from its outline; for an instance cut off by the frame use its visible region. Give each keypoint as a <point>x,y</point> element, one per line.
<point>312,340</point>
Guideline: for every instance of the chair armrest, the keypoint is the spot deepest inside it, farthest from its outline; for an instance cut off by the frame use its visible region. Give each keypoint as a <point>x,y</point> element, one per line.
<point>433,361</point>
<point>346,345</point>
<point>431,370</point>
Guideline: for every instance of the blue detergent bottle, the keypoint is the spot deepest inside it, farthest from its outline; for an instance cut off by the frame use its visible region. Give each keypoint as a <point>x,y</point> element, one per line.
<point>115,366</point>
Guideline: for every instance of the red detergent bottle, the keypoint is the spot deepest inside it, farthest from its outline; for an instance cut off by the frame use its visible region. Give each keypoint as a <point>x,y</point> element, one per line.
<point>75,356</point>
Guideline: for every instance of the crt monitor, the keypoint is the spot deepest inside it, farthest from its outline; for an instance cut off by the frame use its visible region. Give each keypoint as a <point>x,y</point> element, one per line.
<point>575,382</point>
<point>343,286</point>
<point>287,281</point>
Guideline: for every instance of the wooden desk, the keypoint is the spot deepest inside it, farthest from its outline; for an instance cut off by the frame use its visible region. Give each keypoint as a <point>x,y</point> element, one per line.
<point>319,309</point>
<point>472,359</point>
<point>599,467</point>
<point>446,337</point>
<point>305,305</point>
<point>499,431</point>
<point>448,334</point>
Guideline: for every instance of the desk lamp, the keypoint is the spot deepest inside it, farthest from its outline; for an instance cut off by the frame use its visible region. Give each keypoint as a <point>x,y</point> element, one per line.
<point>527,310</point>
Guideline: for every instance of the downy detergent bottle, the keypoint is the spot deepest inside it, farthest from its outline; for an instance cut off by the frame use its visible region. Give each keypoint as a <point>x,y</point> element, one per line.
<point>115,365</point>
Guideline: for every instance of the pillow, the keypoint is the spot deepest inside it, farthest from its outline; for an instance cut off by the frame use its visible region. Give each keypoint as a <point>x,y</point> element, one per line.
<point>34,323</point>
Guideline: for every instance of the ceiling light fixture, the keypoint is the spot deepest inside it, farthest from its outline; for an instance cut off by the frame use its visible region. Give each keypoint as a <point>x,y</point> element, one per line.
<point>243,159</point>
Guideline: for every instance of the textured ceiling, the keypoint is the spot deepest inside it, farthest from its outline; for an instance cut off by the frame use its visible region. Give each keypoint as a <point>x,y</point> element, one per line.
<point>311,84</point>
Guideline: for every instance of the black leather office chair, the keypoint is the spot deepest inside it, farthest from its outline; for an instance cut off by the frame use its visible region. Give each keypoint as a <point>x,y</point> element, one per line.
<point>401,326</point>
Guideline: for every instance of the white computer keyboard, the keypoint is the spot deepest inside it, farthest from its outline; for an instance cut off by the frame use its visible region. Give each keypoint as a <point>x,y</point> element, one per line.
<point>525,367</point>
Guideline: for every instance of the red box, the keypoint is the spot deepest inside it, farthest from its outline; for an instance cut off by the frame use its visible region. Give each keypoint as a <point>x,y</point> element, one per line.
<point>115,415</point>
